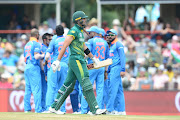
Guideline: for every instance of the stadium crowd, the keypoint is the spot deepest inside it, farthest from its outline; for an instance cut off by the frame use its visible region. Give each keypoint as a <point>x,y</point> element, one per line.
<point>150,63</point>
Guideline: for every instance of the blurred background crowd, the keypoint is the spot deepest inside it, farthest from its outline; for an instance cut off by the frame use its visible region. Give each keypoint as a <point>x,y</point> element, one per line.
<point>152,49</point>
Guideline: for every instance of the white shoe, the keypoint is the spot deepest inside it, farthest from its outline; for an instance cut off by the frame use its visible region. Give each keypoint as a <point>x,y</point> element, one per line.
<point>110,113</point>
<point>90,113</point>
<point>47,111</point>
<point>60,112</point>
<point>100,111</point>
<point>52,110</point>
<point>115,112</point>
<point>76,113</point>
<point>122,113</point>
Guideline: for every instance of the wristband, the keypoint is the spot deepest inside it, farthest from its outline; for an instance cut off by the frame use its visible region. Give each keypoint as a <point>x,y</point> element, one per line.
<point>87,51</point>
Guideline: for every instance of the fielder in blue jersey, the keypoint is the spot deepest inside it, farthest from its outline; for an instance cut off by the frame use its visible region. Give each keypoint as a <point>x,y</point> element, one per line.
<point>46,40</point>
<point>99,48</point>
<point>56,79</point>
<point>116,102</point>
<point>32,72</point>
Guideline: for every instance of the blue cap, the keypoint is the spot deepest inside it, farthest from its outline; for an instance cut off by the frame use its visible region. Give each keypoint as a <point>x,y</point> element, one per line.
<point>102,32</point>
<point>95,29</point>
<point>113,31</point>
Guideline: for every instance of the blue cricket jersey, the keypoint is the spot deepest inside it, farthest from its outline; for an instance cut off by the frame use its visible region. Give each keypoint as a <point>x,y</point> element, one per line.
<point>116,53</point>
<point>55,46</point>
<point>30,48</point>
<point>43,48</point>
<point>99,48</point>
<point>48,66</point>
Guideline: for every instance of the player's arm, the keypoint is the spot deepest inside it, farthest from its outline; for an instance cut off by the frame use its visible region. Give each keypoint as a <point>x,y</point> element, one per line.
<point>67,42</point>
<point>37,50</point>
<point>48,52</point>
<point>90,55</point>
<point>122,59</point>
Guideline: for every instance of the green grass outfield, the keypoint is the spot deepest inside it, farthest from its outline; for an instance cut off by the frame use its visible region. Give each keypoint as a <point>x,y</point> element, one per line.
<point>40,116</point>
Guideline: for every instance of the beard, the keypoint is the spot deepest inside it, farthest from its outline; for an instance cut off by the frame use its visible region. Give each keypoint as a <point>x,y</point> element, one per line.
<point>110,40</point>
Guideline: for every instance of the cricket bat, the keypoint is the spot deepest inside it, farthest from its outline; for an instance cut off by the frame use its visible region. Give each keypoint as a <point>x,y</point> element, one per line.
<point>103,63</point>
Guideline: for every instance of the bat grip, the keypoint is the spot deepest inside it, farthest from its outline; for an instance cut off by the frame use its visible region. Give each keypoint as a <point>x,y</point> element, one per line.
<point>86,32</point>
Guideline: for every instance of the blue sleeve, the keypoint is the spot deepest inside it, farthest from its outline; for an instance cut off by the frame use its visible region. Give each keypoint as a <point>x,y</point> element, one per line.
<point>107,52</point>
<point>45,68</point>
<point>90,41</point>
<point>37,47</point>
<point>3,61</point>
<point>120,49</point>
<point>16,59</point>
<point>51,47</point>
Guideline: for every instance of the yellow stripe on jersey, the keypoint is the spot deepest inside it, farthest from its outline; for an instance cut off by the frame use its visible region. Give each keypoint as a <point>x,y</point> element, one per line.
<point>72,36</point>
<point>80,68</point>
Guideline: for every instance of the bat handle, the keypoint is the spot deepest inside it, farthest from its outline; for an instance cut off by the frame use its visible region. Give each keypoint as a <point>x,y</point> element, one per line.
<point>86,32</point>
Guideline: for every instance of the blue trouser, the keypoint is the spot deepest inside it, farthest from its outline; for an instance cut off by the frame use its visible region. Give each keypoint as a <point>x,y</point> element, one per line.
<point>54,82</point>
<point>33,85</point>
<point>105,93</point>
<point>74,96</point>
<point>116,100</point>
<point>98,76</point>
<point>44,90</point>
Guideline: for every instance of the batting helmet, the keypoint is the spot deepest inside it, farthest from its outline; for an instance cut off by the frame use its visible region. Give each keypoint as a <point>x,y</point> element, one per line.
<point>78,15</point>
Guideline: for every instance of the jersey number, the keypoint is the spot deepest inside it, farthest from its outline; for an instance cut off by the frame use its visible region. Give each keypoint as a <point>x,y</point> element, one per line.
<point>99,51</point>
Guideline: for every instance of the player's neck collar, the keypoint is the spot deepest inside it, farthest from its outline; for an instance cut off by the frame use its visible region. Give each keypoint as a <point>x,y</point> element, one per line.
<point>60,36</point>
<point>33,39</point>
<point>114,41</point>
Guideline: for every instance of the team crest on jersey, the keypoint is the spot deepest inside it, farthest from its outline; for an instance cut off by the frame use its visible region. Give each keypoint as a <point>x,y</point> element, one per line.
<point>72,31</point>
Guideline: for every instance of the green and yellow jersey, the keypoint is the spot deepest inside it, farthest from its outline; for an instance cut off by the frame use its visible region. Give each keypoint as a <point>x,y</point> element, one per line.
<point>77,45</point>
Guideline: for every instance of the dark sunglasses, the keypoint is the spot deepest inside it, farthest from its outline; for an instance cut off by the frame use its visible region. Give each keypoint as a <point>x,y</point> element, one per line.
<point>110,35</point>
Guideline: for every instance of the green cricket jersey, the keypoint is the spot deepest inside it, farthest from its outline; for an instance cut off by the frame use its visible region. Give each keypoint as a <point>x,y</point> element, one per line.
<point>77,45</point>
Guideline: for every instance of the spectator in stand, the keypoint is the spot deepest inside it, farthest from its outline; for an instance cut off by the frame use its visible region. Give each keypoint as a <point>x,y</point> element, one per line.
<point>66,30</point>
<point>9,62</point>
<point>145,25</point>
<point>175,43</point>
<point>120,31</point>
<point>142,76</point>
<point>176,80</point>
<point>33,24</point>
<point>4,81</point>
<point>158,28</point>
<point>19,81</point>
<point>104,26</point>
<point>52,21</point>
<point>45,29</point>
<point>167,33</point>
<point>25,24</point>
<point>152,56</point>
<point>160,79</point>
<point>93,22</point>
<point>170,73</point>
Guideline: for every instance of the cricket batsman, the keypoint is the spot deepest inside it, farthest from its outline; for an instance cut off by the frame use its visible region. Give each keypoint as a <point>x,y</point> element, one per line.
<point>32,72</point>
<point>77,66</point>
<point>56,78</point>
<point>116,102</point>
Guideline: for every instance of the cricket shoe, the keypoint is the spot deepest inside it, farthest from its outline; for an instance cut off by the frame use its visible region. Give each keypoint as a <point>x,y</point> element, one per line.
<point>122,113</point>
<point>52,110</point>
<point>76,113</point>
<point>110,113</point>
<point>27,111</point>
<point>100,111</point>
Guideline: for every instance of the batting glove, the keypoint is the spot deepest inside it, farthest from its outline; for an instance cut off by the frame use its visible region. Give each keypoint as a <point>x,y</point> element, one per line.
<point>95,60</point>
<point>56,66</point>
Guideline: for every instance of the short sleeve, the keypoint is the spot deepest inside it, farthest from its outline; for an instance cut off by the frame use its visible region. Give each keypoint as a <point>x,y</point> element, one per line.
<point>72,33</point>
<point>37,47</point>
